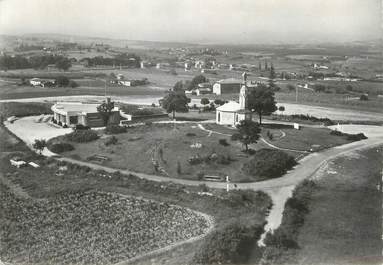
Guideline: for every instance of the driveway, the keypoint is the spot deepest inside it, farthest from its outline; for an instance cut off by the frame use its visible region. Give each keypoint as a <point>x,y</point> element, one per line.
<point>29,129</point>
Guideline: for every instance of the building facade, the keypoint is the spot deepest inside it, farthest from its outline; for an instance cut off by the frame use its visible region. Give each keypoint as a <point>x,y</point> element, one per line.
<point>75,113</point>
<point>227,86</point>
<point>233,112</point>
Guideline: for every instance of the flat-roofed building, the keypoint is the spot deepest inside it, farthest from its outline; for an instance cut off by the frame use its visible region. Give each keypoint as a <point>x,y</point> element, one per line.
<point>74,113</point>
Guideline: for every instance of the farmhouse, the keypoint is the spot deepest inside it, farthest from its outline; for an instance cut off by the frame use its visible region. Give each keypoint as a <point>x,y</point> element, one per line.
<point>233,112</point>
<point>227,86</point>
<point>74,113</point>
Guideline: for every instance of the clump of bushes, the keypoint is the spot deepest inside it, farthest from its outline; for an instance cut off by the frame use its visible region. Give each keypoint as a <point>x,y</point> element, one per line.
<point>269,163</point>
<point>189,134</point>
<point>81,127</point>
<point>350,137</point>
<point>111,140</point>
<point>223,142</point>
<point>59,148</point>
<point>115,129</point>
<point>82,136</point>
<point>212,158</point>
<point>231,244</point>
<point>307,117</point>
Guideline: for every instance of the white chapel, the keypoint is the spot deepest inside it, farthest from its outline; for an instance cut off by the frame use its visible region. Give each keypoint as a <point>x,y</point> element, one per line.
<point>233,112</point>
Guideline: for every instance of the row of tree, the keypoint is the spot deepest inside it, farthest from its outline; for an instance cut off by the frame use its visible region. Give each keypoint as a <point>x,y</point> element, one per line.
<point>130,60</point>
<point>35,62</point>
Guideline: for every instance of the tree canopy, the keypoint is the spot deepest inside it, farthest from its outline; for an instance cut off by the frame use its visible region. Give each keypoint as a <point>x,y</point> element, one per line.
<point>248,133</point>
<point>261,100</point>
<point>105,109</point>
<point>39,145</point>
<point>175,101</point>
<point>198,79</point>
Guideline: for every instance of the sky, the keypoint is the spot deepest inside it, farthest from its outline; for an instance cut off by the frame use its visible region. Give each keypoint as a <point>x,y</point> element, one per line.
<point>199,21</point>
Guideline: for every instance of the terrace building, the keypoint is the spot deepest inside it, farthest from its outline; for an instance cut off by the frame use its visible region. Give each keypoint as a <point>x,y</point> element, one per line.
<point>74,113</point>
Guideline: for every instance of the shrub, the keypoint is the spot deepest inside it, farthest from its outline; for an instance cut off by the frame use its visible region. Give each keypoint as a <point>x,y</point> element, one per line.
<point>363,97</point>
<point>269,163</point>
<point>200,175</point>
<point>111,140</point>
<point>219,102</point>
<point>203,187</point>
<point>223,142</point>
<point>231,244</point>
<point>356,137</point>
<point>61,147</point>
<point>189,134</point>
<point>60,123</point>
<point>81,127</point>
<point>179,169</point>
<point>65,126</point>
<point>270,135</point>
<point>82,136</point>
<point>115,129</point>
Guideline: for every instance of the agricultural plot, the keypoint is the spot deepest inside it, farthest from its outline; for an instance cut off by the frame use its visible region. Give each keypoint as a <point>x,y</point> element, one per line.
<point>115,228</point>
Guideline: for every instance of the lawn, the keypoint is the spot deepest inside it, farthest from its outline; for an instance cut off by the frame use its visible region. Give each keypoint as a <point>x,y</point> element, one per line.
<point>305,139</point>
<point>186,151</point>
<point>171,147</point>
<point>344,223</point>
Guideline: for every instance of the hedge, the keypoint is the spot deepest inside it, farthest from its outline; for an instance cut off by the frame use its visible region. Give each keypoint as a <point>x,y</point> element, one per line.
<point>82,136</point>
<point>60,147</point>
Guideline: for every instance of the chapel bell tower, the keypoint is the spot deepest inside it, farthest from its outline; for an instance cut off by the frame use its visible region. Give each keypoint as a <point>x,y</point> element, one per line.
<point>243,92</point>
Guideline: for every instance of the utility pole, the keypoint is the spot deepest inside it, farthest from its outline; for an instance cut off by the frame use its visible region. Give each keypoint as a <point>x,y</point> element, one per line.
<point>296,93</point>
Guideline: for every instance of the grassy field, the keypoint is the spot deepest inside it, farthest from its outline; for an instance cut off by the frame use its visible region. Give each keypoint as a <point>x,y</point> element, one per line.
<point>60,189</point>
<point>344,224</point>
<point>169,150</point>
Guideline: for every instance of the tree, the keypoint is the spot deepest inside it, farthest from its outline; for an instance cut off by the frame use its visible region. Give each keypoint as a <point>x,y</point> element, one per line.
<point>178,86</point>
<point>73,84</point>
<point>175,101</point>
<point>63,63</point>
<point>272,77</point>
<point>248,133</point>
<point>363,97</point>
<point>205,101</point>
<point>198,79</point>
<point>39,145</point>
<point>261,100</point>
<point>281,109</point>
<point>105,109</point>
<point>62,81</point>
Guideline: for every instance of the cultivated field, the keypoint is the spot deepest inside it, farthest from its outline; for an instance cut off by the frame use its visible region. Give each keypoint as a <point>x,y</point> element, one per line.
<point>116,228</point>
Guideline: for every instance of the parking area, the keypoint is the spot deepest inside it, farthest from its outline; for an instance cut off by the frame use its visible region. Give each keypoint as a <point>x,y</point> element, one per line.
<point>31,128</point>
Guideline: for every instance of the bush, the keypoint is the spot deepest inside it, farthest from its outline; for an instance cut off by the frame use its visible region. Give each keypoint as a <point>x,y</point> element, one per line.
<point>356,137</point>
<point>111,140</point>
<point>350,137</point>
<point>269,163</point>
<point>59,148</point>
<point>363,97</point>
<point>82,136</point>
<point>219,102</point>
<point>81,127</point>
<point>189,134</point>
<point>231,244</point>
<point>223,142</point>
<point>115,129</point>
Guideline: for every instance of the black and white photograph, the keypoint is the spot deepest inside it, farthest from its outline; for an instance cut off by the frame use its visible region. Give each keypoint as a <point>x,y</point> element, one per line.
<point>191,132</point>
